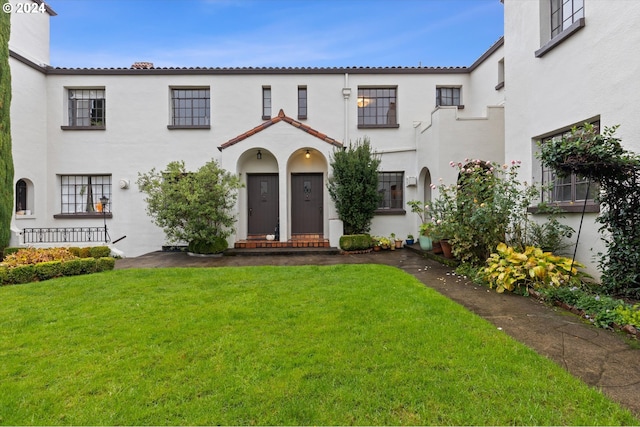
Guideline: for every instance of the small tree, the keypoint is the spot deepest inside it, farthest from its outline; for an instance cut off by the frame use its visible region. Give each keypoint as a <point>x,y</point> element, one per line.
<point>354,186</point>
<point>6,159</point>
<point>193,207</point>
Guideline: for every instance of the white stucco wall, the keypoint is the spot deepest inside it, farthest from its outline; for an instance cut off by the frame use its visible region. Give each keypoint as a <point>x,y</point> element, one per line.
<point>591,74</point>
<point>29,32</point>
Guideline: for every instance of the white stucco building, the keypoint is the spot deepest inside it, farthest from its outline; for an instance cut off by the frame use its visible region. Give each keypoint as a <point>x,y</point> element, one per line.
<point>80,134</point>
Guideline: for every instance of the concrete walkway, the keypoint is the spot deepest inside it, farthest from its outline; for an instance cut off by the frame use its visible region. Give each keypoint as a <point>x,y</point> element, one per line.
<point>600,358</point>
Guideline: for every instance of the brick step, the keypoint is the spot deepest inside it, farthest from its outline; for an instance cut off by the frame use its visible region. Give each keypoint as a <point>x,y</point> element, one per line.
<point>294,243</point>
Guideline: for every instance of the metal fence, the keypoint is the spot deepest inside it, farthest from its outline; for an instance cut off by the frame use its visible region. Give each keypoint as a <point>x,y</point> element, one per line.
<point>63,235</point>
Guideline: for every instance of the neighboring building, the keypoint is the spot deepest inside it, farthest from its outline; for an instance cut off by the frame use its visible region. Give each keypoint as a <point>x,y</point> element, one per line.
<point>568,62</point>
<point>79,134</point>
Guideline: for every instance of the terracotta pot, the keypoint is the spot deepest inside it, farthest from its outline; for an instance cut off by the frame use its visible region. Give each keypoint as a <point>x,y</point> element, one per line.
<point>376,248</point>
<point>437,247</point>
<point>446,248</point>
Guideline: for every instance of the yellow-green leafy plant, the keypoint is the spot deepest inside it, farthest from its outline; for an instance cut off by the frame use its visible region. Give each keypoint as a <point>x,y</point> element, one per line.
<point>31,256</point>
<point>508,269</point>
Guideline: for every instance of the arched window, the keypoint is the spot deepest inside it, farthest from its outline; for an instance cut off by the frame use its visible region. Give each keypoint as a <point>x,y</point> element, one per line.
<point>21,195</point>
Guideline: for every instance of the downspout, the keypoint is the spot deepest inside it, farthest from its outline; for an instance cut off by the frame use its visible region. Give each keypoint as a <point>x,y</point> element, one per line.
<point>346,94</point>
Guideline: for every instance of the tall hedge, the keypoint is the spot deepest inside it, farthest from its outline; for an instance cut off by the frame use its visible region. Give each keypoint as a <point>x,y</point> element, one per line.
<point>6,158</point>
<point>354,186</point>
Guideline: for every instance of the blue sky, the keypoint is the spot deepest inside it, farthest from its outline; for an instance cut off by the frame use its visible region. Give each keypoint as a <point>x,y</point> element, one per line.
<point>273,33</point>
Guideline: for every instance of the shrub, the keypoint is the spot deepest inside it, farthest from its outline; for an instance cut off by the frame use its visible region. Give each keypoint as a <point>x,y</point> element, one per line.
<point>22,274</point>
<point>100,251</point>
<point>30,256</point>
<point>48,270</point>
<point>105,264</point>
<point>10,250</point>
<point>192,206</point>
<point>507,269</point>
<point>78,266</point>
<point>355,242</point>
<point>354,185</point>
<point>629,315</point>
<point>4,275</point>
<point>216,246</point>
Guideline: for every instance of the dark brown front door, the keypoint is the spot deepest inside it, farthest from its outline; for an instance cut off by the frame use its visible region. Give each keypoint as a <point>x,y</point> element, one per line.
<point>263,203</point>
<point>306,203</point>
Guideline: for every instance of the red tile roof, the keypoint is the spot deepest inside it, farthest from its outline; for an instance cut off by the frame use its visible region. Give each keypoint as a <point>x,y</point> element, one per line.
<point>281,117</point>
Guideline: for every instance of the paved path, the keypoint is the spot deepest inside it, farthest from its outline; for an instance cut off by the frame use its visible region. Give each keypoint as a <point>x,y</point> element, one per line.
<point>600,358</point>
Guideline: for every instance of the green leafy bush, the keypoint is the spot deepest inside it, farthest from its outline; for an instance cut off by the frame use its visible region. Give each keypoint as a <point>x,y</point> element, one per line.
<point>215,246</point>
<point>48,270</point>
<point>99,251</point>
<point>355,242</point>
<point>78,266</point>
<point>507,269</point>
<point>105,264</point>
<point>629,315</point>
<point>22,274</point>
<point>9,250</point>
<point>192,206</point>
<point>353,185</point>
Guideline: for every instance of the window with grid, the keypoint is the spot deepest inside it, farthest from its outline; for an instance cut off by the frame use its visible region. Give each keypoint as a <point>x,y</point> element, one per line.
<point>81,194</point>
<point>21,195</point>
<point>391,189</point>
<point>564,13</point>
<point>570,189</point>
<point>190,107</point>
<point>87,107</point>
<point>377,107</point>
<point>266,102</point>
<point>446,96</point>
<point>302,102</point>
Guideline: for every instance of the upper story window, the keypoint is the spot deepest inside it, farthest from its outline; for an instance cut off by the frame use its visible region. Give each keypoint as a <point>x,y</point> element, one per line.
<point>565,191</point>
<point>266,102</point>
<point>302,102</point>
<point>564,13</point>
<point>377,107</point>
<point>448,96</point>
<point>81,194</point>
<point>190,108</point>
<point>391,189</point>
<point>559,20</point>
<point>86,109</point>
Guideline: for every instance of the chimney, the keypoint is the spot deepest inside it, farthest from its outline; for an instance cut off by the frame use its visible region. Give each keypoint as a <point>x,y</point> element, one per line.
<point>142,65</point>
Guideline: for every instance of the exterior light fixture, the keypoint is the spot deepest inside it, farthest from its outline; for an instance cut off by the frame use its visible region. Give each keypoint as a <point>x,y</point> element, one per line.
<point>259,155</point>
<point>308,155</point>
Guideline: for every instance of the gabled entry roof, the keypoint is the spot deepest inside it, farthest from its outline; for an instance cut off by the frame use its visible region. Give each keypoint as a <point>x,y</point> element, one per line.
<point>281,117</point>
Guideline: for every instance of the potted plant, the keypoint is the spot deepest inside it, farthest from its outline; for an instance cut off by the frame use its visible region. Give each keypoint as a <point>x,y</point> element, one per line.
<point>397,242</point>
<point>384,242</point>
<point>425,239</point>
<point>409,239</point>
<point>375,241</point>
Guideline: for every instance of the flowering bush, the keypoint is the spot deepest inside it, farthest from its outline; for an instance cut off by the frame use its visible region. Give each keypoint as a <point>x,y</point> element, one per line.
<point>488,205</point>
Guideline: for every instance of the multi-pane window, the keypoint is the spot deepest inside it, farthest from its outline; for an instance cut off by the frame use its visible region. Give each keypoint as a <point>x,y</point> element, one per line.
<point>302,102</point>
<point>573,188</point>
<point>377,107</point>
<point>390,187</point>
<point>564,13</point>
<point>266,102</point>
<point>190,107</point>
<point>447,96</point>
<point>87,107</point>
<point>81,194</point>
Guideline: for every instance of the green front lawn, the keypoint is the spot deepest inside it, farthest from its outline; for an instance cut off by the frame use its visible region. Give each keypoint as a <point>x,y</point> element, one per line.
<point>346,344</point>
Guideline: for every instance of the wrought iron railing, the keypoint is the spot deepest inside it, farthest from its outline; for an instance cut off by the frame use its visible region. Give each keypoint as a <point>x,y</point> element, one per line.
<point>62,235</point>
